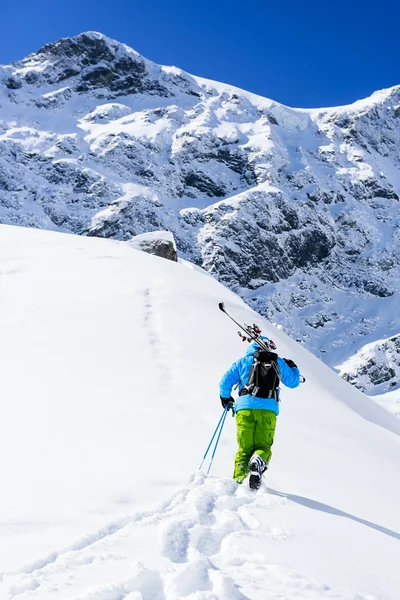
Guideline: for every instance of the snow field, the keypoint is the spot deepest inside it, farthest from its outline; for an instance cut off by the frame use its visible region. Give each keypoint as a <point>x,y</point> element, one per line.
<point>192,546</point>
<point>110,366</point>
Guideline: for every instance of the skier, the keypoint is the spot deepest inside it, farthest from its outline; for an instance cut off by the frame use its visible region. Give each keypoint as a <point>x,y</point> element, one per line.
<point>257,376</point>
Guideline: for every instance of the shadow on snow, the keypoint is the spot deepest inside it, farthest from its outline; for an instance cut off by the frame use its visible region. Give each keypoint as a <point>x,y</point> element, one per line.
<point>314,505</point>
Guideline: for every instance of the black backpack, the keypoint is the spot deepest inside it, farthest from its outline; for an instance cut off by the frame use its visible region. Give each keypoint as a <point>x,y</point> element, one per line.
<point>264,376</point>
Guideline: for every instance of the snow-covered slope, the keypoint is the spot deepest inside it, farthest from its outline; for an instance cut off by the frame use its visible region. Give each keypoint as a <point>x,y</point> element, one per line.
<point>110,361</point>
<point>296,210</point>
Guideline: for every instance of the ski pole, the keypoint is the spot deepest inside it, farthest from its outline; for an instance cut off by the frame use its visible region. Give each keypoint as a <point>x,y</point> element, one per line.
<point>219,435</point>
<point>214,434</point>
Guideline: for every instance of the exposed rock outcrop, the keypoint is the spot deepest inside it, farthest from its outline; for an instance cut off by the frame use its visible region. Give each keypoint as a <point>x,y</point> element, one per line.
<point>159,243</point>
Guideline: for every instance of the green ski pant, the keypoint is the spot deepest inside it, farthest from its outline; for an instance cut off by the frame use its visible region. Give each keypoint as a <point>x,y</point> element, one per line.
<point>255,434</point>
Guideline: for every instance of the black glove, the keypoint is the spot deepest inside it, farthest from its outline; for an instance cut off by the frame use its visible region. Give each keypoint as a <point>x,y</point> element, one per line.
<point>226,401</point>
<point>290,363</point>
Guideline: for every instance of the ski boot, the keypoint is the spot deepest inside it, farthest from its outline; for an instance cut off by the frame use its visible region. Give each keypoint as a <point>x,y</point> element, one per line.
<point>257,468</point>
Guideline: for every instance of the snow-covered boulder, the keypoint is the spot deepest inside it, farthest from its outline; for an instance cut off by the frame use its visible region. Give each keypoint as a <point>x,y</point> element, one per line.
<point>159,243</point>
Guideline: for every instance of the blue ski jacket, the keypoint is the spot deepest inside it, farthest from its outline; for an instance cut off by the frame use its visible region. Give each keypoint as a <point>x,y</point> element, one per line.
<point>239,373</point>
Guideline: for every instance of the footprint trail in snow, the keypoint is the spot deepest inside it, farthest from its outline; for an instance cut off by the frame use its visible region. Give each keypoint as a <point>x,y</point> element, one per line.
<point>190,547</point>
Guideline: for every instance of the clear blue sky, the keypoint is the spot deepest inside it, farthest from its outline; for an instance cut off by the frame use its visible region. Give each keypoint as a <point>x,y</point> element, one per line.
<point>305,54</point>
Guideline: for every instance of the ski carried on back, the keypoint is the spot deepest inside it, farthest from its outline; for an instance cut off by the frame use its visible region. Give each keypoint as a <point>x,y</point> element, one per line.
<point>253,333</point>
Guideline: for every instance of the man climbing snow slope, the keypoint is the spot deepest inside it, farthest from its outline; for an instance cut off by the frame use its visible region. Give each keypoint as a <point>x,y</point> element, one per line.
<point>257,376</point>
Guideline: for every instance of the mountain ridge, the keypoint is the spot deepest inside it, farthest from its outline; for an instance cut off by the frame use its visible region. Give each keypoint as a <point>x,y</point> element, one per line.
<point>95,36</point>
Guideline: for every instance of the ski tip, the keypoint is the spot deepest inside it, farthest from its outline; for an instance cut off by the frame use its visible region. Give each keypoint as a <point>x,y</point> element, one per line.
<point>221,306</point>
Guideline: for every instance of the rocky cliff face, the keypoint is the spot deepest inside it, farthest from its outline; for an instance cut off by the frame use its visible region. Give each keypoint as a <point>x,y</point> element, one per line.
<point>375,369</point>
<point>297,210</point>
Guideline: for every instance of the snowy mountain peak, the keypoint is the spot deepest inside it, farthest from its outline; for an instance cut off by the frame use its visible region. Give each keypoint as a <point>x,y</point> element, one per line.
<point>91,62</point>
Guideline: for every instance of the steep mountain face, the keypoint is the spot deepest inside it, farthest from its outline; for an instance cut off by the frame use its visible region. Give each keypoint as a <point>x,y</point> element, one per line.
<point>296,210</point>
